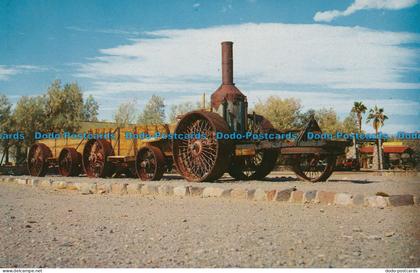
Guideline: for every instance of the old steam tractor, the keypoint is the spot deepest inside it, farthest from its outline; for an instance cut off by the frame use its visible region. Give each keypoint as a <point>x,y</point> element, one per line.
<point>197,159</point>
<point>246,159</point>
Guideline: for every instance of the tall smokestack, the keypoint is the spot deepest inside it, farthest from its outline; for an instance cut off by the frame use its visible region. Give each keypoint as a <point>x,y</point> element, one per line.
<point>227,63</point>
<point>227,91</point>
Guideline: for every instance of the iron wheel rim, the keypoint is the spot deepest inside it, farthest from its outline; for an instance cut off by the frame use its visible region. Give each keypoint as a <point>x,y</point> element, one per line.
<point>36,160</point>
<point>201,159</point>
<point>69,162</point>
<point>150,164</point>
<point>314,168</point>
<point>95,155</point>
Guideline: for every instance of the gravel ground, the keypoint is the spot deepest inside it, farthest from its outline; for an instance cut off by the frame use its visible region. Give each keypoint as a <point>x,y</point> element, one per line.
<point>47,228</point>
<point>353,182</point>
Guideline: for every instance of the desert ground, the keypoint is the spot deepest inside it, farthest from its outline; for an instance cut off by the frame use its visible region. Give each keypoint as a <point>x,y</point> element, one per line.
<point>53,228</point>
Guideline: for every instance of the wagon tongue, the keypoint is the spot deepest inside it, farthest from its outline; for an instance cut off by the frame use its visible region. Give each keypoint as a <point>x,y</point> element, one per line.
<point>227,90</point>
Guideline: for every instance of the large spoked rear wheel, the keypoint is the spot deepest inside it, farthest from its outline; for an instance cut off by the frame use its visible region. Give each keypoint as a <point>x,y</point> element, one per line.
<point>37,159</point>
<point>203,158</point>
<point>69,162</point>
<point>314,168</point>
<point>150,163</point>
<point>95,154</point>
<point>254,167</point>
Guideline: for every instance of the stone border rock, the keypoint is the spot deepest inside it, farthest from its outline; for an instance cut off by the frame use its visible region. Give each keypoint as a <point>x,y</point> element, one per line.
<point>285,195</point>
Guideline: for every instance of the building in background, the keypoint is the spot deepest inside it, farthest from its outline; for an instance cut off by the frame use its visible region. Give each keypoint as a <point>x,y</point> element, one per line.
<point>396,156</point>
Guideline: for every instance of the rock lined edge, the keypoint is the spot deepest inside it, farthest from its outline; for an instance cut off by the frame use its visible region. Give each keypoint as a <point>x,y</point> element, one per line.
<point>291,195</point>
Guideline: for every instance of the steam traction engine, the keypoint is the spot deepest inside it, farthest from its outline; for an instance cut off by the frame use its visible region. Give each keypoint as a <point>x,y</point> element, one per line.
<point>208,159</point>
<point>196,159</point>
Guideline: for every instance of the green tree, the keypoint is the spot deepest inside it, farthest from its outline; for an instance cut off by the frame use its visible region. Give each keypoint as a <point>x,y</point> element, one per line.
<point>328,120</point>
<point>125,114</point>
<point>64,107</point>
<point>180,109</point>
<point>350,123</point>
<point>284,114</point>
<point>359,108</point>
<point>30,117</point>
<point>90,109</point>
<point>5,109</point>
<point>377,117</point>
<point>5,125</point>
<point>154,111</point>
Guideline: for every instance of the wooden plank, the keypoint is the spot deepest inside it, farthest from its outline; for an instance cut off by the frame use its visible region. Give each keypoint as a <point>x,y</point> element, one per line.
<point>127,147</point>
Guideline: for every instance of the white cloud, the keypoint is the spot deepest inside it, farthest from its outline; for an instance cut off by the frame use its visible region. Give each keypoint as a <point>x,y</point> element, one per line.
<point>328,16</point>
<point>196,5</point>
<point>111,87</point>
<point>321,55</point>
<point>6,72</point>
<point>268,59</point>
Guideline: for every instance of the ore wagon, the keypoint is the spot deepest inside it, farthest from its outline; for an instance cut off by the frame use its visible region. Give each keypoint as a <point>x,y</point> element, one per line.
<point>105,152</point>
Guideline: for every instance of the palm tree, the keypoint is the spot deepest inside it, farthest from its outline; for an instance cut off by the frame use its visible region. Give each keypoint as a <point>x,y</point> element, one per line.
<point>359,108</point>
<point>378,117</point>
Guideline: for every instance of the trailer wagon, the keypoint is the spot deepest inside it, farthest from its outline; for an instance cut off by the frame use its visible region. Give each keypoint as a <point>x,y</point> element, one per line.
<point>105,152</point>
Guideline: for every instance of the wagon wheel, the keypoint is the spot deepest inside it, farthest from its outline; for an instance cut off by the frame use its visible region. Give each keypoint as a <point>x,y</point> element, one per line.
<point>150,163</point>
<point>95,153</point>
<point>254,167</point>
<point>69,162</point>
<point>314,168</point>
<point>37,159</point>
<point>258,166</point>
<point>203,158</point>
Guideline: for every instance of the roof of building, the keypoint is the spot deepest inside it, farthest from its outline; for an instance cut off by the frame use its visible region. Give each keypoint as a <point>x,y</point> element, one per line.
<point>387,149</point>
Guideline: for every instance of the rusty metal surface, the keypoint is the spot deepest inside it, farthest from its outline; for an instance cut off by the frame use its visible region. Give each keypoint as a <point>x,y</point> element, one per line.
<point>202,159</point>
<point>227,91</point>
<point>95,158</point>
<point>69,162</point>
<point>227,62</point>
<point>314,167</point>
<point>302,150</point>
<point>150,163</point>
<point>244,150</point>
<point>37,159</point>
<point>258,164</point>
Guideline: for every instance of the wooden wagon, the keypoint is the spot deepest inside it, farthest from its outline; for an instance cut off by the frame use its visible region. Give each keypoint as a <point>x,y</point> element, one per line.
<point>105,152</point>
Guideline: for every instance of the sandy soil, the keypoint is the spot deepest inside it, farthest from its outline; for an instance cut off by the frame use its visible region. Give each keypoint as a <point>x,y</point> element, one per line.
<point>47,228</point>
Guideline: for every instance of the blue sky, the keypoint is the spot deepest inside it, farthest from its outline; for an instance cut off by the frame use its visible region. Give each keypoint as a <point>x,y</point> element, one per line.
<point>326,53</point>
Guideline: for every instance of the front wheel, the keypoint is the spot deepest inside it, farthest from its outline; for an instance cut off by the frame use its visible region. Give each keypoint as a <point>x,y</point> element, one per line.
<point>254,167</point>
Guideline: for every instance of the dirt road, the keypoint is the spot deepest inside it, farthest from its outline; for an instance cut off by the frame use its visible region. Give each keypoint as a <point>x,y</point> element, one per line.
<point>46,228</point>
